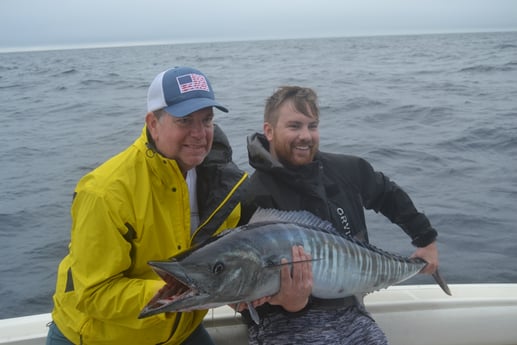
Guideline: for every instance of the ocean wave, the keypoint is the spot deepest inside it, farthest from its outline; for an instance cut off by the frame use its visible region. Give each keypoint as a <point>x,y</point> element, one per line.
<point>506,46</point>
<point>507,67</point>
<point>68,72</point>
<point>419,114</point>
<point>484,139</point>
<point>362,103</point>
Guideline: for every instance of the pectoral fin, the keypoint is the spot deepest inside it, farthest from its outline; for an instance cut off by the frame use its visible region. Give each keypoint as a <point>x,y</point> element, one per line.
<point>253,313</point>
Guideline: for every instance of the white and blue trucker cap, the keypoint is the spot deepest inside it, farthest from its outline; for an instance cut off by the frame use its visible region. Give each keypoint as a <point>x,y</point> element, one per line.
<point>181,91</point>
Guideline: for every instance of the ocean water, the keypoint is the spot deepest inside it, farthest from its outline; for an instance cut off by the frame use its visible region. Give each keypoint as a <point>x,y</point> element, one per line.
<point>436,113</point>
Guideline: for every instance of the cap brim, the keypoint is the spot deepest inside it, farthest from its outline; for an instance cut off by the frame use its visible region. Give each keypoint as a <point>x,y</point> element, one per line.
<point>191,105</point>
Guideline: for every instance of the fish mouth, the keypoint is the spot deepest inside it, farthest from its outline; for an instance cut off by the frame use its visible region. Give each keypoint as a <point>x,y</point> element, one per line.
<point>177,288</point>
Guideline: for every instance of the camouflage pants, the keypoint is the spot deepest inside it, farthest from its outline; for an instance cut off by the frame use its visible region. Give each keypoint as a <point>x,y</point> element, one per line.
<point>350,326</point>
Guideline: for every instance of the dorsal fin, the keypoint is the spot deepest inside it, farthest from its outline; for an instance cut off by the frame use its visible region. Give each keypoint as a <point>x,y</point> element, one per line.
<point>303,218</point>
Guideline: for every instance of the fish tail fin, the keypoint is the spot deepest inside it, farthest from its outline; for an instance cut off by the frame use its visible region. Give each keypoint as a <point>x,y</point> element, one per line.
<point>438,278</point>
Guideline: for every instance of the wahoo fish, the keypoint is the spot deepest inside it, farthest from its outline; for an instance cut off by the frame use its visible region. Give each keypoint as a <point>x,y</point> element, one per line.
<point>243,264</point>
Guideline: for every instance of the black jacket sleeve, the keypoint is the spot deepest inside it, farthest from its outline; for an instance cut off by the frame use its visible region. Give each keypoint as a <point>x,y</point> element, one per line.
<point>385,196</point>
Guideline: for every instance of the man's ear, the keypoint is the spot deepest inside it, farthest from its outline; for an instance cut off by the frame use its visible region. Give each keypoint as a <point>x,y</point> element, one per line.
<point>268,131</point>
<point>151,121</point>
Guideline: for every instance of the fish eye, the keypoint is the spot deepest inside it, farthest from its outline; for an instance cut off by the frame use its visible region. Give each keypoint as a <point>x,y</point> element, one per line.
<point>218,268</point>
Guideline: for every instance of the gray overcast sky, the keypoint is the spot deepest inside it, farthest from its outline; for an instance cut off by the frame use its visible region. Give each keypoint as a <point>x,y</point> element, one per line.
<point>56,23</point>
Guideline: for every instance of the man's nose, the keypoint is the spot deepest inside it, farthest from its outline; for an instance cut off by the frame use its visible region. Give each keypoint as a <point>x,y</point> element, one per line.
<point>305,133</point>
<point>197,128</point>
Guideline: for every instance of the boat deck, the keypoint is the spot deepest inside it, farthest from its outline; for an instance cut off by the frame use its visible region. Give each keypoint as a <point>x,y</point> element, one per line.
<point>476,314</point>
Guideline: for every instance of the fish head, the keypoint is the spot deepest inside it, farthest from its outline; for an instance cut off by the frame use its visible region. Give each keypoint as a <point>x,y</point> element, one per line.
<point>208,277</point>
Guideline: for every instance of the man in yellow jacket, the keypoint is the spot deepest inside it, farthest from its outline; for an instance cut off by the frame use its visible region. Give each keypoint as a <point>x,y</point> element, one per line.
<point>175,186</point>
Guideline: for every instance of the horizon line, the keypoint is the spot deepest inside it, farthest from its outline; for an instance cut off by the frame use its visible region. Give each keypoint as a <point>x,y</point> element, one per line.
<point>121,44</point>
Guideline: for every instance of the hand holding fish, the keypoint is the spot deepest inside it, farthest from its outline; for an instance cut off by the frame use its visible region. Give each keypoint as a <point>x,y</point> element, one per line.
<point>430,255</point>
<point>295,283</point>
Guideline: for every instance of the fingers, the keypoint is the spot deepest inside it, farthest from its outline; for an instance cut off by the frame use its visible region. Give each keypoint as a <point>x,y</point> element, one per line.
<point>243,306</point>
<point>430,255</point>
<point>261,301</point>
<point>301,275</point>
<point>296,282</point>
<point>296,285</point>
<point>302,271</point>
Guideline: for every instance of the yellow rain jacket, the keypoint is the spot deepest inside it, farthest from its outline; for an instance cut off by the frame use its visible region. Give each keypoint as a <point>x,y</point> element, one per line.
<point>132,209</point>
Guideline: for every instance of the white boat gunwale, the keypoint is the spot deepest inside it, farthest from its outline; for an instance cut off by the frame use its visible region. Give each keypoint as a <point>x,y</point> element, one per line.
<point>476,314</point>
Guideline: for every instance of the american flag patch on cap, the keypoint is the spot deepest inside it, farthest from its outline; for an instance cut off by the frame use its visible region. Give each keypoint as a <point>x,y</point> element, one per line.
<point>192,82</point>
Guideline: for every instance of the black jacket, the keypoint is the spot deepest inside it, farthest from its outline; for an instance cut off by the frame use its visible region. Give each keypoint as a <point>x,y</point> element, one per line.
<point>219,186</point>
<point>334,187</point>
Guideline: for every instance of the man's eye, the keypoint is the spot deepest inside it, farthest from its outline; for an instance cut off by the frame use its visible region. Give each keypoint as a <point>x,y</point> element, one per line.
<point>184,121</point>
